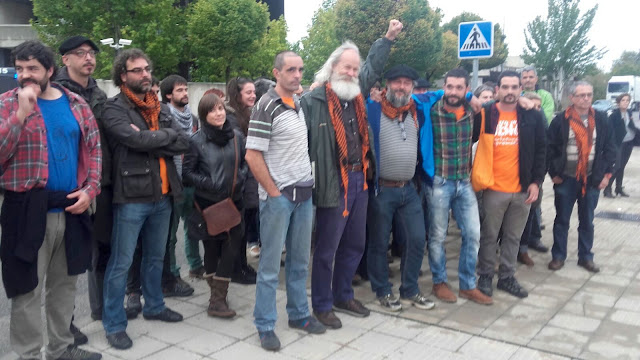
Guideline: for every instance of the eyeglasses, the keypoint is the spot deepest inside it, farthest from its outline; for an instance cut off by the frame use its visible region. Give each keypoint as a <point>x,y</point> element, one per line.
<point>404,132</point>
<point>82,53</point>
<point>139,71</point>
<point>584,96</point>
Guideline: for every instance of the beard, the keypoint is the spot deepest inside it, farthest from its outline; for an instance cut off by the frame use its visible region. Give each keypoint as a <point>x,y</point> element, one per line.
<point>42,83</point>
<point>398,101</point>
<point>510,99</point>
<point>139,87</point>
<point>182,102</point>
<point>453,101</point>
<point>346,87</point>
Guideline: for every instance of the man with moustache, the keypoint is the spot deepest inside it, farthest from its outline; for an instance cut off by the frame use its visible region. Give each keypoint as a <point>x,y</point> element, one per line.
<point>144,138</point>
<point>448,162</point>
<point>339,148</point>
<point>518,169</point>
<point>79,59</point>
<point>394,124</point>
<point>50,158</point>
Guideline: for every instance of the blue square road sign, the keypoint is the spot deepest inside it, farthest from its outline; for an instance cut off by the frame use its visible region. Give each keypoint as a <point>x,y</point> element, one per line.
<point>475,39</point>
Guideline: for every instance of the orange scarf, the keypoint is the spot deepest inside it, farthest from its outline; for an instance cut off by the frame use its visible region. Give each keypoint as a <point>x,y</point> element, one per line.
<point>335,112</point>
<point>150,109</point>
<point>394,112</point>
<point>584,142</point>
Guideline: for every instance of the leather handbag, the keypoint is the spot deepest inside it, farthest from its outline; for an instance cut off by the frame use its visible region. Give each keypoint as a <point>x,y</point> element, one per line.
<point>482,170</point>
<point>223,216</point>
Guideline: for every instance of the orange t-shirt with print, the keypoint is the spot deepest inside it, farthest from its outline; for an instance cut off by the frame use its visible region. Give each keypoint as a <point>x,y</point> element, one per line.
<point>506,170</point>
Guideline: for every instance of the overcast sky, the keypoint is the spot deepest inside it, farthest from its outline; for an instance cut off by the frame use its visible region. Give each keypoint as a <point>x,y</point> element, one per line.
<point>615,26</point>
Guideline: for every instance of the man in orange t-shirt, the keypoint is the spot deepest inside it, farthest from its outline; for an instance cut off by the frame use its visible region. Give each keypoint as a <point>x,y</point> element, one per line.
<point>518,169</point>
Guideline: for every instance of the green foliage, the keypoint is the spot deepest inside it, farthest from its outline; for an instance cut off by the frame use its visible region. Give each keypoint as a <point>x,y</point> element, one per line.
<point>260,62</point>
<point>448,57</point>
<point>320,43</point>
<point>500,48</point>
<point>627,64</point>
<point>558,45</point>
<point>153,27</point>
<point>223,34</point>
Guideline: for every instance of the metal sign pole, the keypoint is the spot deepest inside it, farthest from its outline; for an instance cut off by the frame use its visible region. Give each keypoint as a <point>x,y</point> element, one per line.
<point>474,79</point>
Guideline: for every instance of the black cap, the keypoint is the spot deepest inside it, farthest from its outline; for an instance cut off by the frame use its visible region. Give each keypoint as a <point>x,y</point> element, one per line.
<point>401,71</point>
<point>422,84</point>
<point>75,41</point>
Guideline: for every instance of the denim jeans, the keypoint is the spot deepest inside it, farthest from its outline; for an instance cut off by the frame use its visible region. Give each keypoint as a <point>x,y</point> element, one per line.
<point>456,195</point>
<point>150,221</point>
<point>405,205</point>
<point>283,222</point>
<point>566,195</point>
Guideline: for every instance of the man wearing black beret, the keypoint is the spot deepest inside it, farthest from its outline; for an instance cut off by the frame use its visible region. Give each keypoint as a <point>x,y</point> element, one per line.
<point>394,123</point>
<point>79,59</point>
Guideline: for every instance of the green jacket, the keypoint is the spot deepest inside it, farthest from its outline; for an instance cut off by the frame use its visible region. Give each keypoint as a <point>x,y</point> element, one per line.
<point>547,103</point>
<point>322,137</point>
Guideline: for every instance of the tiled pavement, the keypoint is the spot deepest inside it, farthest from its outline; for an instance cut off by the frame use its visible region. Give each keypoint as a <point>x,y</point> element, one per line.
<point>569,314</point>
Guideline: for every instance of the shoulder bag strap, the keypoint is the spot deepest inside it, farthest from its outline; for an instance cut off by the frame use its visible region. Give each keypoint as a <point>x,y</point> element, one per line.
<point>235,170</point>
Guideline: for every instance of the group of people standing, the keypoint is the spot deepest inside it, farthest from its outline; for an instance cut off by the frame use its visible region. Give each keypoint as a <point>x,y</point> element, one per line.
<point>397,160</point>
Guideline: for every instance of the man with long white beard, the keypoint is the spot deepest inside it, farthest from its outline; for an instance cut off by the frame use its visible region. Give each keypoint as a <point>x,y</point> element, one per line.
<point>341,155</point>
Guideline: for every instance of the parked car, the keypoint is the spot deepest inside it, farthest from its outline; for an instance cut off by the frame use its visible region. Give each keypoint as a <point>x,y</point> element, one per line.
<point>603,105</point>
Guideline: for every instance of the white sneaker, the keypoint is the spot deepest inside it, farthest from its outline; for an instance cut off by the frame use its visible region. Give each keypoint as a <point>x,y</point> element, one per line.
<point>390,302</point>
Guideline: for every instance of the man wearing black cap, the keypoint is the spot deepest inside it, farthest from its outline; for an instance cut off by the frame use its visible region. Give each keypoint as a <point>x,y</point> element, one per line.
<point>79,59</point>
<point>394,123</point>
<point>340,151</point>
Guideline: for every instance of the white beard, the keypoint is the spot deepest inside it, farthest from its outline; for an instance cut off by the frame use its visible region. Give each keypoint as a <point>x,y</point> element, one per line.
<point>347,88</point>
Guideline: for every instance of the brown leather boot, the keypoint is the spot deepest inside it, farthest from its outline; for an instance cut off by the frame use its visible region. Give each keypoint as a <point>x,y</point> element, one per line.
<point>523,258</point>
<point>476,296</point>
<point>444,293</point>
<point>218,306</point>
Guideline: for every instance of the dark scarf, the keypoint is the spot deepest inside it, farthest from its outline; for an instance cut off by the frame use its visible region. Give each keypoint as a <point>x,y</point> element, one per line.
<point>335,112</point>
<point>219,136</point>
<point>584,141</point>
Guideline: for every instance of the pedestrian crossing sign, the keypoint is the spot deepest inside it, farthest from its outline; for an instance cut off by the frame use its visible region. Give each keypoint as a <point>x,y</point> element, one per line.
<point>475,39</point>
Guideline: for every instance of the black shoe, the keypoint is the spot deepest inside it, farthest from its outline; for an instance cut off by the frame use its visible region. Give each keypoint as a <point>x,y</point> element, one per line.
<point>177,288</point>
<point>539,247</point>
<point>131,313</point>
<point>589,265</point>
<point>622,193</point>
<point>352,307</point>
<point>133,303</point>
<point>243,277</point>
<point>166,315</point>
<point>120,340</point>
<point>485,284</point>
<point>78,337</point>
<point>511,285</point>
<point>75,353</point>
<point>607,193</point>
<point>328,319</point>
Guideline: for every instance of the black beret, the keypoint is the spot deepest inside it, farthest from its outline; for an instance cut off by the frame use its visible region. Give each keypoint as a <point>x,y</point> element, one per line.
<point>423,84</point>
<point>75,41</point>
<point>401,71</point>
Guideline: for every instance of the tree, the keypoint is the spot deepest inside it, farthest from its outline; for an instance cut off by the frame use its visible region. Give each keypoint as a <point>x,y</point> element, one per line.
<point>321,41</point>
<point>500,48</point>
<point>260,63</point>
<point>152,27</point>
<point>448,58</point>
<point>420,43</point>
<point>223,34</point>
<point>627,64</point>
<point>598,79</point>
<point>558,46</point>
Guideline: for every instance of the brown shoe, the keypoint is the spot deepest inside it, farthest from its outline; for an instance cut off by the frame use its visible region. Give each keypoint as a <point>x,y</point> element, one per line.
<point>523,258</point>
<point>328,319</point>
<point>442,292</point>
<point>556,264</point>
<point>476,296</point>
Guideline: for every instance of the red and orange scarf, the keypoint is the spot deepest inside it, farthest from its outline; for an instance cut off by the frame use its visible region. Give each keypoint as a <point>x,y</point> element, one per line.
<point>150,110</point>
<point>394,113</point>
<point>584,141</point>
<point>335,112</point>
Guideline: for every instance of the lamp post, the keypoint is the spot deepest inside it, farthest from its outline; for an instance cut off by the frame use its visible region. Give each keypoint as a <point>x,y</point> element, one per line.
<point>119,45</point>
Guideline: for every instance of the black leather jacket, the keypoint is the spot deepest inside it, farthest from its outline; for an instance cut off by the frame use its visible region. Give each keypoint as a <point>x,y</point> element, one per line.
<point>136,154</point>
<point>209,166</point>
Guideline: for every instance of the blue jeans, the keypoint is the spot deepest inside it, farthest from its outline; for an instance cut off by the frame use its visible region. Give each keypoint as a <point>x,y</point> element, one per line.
<point>456,195</point>
<point>150,221</point>
<point>405,205</point>
<point>283,222</point>
<point>566,195</point>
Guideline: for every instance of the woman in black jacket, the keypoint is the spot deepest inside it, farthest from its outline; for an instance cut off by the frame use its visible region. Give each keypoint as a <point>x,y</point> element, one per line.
<point>625,132</point>
<point>209,168</point>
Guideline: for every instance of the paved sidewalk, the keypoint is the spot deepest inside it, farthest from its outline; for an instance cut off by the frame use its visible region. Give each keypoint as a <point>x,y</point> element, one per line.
<point>569,314</point>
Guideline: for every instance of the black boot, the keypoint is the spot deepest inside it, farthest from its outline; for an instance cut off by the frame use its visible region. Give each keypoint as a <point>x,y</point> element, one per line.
<point>607,193</point>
